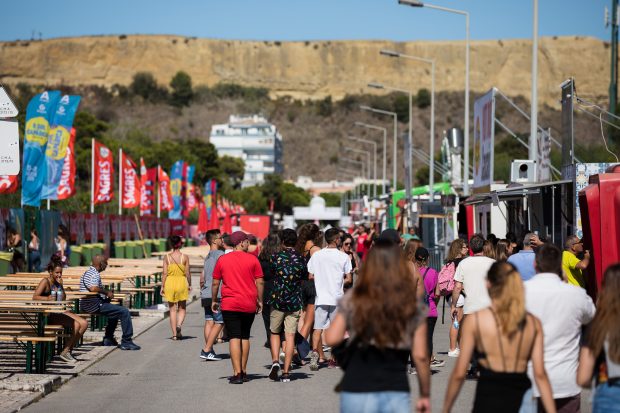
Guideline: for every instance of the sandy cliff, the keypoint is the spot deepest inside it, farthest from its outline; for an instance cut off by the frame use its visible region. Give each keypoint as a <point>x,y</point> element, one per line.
<point>309,69</point>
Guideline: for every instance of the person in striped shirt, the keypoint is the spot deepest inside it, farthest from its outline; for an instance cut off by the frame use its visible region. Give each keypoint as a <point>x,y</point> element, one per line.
<point>100,303</point>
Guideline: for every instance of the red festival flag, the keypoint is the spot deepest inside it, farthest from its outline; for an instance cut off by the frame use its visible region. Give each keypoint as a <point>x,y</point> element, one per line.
<point>66,186</point>
<point>8,184</point>
<point>129,182</point>
<point>103,174</point>
<point>147,189</point>
<point>214,221</point>
<point>165,193</point>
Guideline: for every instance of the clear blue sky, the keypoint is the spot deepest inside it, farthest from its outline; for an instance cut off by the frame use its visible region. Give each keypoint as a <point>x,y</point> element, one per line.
<point>299,20</point>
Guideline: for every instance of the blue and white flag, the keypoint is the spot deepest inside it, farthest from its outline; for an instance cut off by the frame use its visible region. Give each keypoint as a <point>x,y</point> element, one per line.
<point>39,113</point>
<point>57,144</point>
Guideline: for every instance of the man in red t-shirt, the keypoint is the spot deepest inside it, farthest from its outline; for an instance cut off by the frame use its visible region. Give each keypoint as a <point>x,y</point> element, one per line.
<point>242,290</point>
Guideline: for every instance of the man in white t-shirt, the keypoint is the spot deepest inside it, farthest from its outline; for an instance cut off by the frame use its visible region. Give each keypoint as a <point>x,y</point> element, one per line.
<point>471,278</point>
<point>330,268</point>
<point>563,309</point>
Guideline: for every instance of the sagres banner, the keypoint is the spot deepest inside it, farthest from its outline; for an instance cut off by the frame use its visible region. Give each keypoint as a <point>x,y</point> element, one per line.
<point>103,173</point>
<point>38,116</point>
<point>484,139</point>
<point>57,143</point>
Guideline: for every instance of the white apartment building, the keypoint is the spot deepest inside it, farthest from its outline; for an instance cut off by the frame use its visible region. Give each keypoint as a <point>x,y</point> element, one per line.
<point>253,139</point>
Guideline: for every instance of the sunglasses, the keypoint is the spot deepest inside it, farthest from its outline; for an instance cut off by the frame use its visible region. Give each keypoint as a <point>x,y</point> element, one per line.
<point>347,244</point>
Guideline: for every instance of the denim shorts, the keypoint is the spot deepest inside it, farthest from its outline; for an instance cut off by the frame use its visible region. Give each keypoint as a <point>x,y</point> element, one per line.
<point>606,398</point>
<point>209,314</point>
<point>375,402</point>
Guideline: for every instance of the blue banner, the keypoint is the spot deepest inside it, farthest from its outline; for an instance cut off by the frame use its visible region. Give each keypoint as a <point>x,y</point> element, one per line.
<point>57,144</point>
<point>176,186</point>
<point>39,113</point>
<point>207,197</point>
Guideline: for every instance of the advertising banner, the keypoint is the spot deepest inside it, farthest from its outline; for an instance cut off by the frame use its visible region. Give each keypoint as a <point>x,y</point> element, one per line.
<point>115,228</point>
<point>214,220</point>
<point>103,172</point>
<point>90,227</point>
<point>129,182</point>
<point>8,184</point>
<point>39,114</point>
<point>76,228</point>
<point>57,143</point>
<point>165,194</point>
<point>581,179</point>
<point>66,186</point>
<point>543,157</point>
<point>147,189</point>
<point>176,185</point>
<point>484,140</point>
<point>190,195</point>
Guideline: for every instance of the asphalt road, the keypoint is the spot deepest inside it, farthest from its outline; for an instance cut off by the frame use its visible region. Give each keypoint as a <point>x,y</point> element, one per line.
<point>168,376</point>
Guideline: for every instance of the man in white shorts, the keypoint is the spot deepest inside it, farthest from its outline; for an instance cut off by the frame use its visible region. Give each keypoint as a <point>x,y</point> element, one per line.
<point>330,268</point>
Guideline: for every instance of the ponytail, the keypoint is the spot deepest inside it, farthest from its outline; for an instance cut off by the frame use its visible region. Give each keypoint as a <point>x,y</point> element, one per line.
<point>55,261</point>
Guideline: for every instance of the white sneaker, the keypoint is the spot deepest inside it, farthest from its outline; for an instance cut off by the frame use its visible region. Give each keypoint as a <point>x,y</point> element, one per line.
<point>454,353</point>
<point>282,357</point>
<point>412,370</point>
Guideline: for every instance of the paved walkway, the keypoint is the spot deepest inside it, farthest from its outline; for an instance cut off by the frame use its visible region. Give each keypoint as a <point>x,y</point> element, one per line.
<point>167,375</point>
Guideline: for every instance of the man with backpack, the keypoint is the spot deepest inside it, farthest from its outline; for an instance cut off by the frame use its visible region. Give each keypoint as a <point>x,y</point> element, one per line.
<point>431,298</point>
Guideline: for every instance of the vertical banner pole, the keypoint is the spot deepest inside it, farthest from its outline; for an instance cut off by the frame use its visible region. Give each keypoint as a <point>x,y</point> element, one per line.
<point>92,175</point>
<point>120,181</point>
<point>158,193</point>
<point>48,204</point>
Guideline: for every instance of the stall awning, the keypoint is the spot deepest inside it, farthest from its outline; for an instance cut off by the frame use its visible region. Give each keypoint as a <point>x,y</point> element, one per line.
<point>512,192</point>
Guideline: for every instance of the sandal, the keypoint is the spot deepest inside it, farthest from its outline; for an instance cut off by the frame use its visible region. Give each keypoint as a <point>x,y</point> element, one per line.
<point>179,335</point>
<point>174,338</point>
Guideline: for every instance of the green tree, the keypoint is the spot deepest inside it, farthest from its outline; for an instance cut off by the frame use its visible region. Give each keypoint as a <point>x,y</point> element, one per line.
<point>145,86</point>
<point>331,199</point>
<point>423,99</point>
<point>325,107</point>
<point>400,105</point>
<point>182,92</point>
<point>252,199</point>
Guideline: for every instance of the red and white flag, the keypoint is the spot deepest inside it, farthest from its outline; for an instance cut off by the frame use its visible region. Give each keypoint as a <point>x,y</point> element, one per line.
<point>147,189</point>
<point>165,193</point>
<point>129,182</point>
<point>103,174</point>
<point>66,186</point>
<point>8,184</point>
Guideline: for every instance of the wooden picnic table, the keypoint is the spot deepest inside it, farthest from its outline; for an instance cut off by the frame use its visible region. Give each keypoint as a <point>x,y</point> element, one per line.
<point>35,315</point>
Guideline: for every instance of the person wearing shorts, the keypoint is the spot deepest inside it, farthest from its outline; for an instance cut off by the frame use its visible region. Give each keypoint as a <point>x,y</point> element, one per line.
<point>241,277</point>
<point>286,300</point>
<point>331,269</point>
<point>213,320</point>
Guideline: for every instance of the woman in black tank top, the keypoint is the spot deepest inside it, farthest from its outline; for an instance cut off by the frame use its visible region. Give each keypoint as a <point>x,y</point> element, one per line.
<point>503,338</point>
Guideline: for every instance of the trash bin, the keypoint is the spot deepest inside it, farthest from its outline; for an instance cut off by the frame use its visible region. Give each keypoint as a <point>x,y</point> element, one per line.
<point>119,249</point>
<point>87,254</point>
<point>75,258</point>
<point>161,245</point>
<point>138,251</point>
<point>130,249</point>
<point>148,246</point>
<point>98,248</point>
<point>5,262</point>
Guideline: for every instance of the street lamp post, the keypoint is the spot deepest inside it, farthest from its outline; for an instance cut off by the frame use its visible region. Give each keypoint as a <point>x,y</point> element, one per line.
<point>357,163</point>
<point>390,53</point>
<point>393,114</point>
<point>366,125</point>
<point>415,3</point>
<point>409,135</point>
<point>347,148</point>
<point>374,145</point>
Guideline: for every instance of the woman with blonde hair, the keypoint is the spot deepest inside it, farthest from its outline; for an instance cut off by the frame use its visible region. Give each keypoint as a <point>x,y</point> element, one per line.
<point>175,284</point>
<point>503,339</point>
<point>382,334</point>
<point>488,249</point>
<point>503,250</point>
<point>411,247</point>
<point>603,343</point>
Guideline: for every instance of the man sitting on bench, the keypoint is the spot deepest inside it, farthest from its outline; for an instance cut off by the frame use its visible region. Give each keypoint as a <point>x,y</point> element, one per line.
<point>100,304</point>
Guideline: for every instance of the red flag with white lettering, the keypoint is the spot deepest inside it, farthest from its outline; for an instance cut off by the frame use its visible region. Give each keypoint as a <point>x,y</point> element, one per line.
<point>130,183</point>
<point>103,174</point>
<point>165,193</point>
<point>147,189</point>
<point>8,184</point>
<point>66,186</point>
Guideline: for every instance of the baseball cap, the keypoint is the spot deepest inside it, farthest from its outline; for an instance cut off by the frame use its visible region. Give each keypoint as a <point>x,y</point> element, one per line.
<point>421,254</point>
<point>238,237</point>
<point>390,235</point>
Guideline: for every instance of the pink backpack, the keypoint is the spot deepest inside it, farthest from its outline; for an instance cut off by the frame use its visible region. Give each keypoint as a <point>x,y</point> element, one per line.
<point>446,279</point>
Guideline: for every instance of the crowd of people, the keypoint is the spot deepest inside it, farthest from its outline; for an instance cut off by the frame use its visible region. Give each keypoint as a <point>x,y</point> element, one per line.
<point>522,324</point>
<point>518,309</point>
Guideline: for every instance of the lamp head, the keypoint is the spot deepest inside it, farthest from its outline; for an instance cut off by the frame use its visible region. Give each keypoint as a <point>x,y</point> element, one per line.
<point>389,53</point>
<point>375,85</point>
<point>359,124</point>
<point>364,107</point>
<point>412,3</point>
